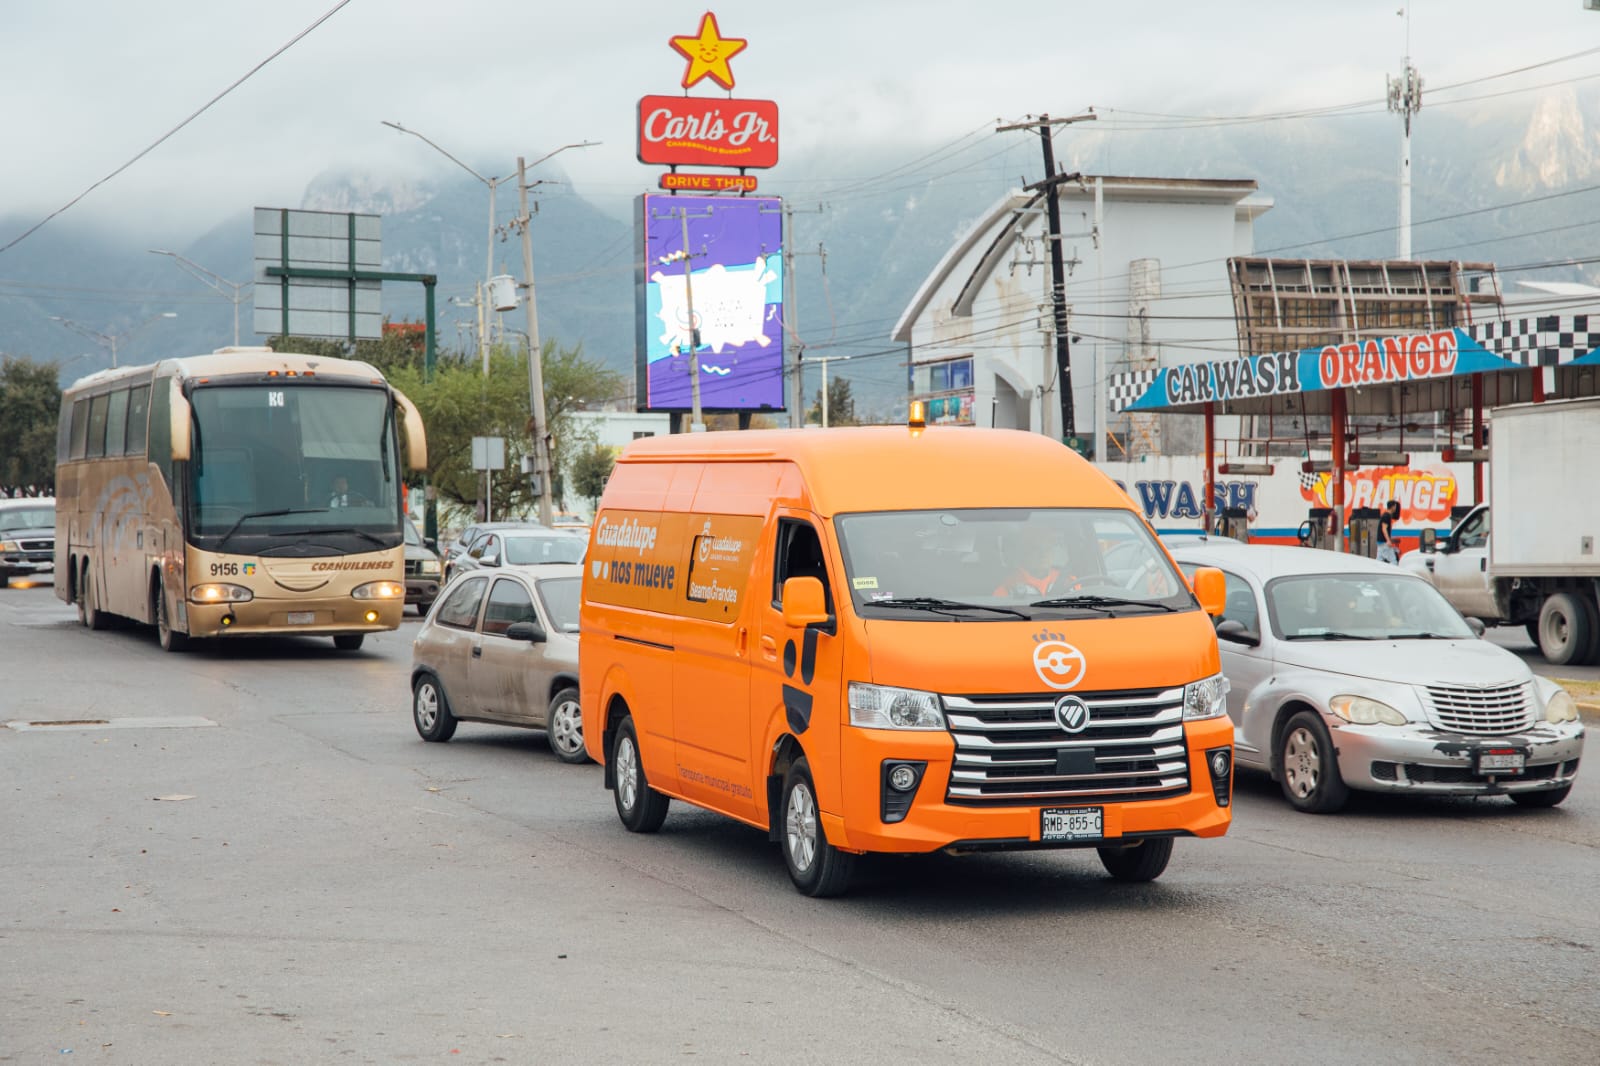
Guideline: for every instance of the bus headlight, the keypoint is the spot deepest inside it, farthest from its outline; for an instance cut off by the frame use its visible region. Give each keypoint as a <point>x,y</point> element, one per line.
<point>380,590</point>
<point>217,592</point>
<point>882,707</point>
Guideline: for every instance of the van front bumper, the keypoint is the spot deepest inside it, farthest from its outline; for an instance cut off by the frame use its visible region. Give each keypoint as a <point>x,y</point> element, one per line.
<point>328,616</point>
<point>932,823</point>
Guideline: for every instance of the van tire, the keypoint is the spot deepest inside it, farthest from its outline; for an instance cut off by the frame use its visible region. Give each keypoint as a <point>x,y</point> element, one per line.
<point>564,727</point>
<point>1144,861</point>
<point>1308,770</point>
<point>816,867</point>
<point>641,808</point>
<point>1563,629</point>
<point>170,639</point>
<point>430,710</point>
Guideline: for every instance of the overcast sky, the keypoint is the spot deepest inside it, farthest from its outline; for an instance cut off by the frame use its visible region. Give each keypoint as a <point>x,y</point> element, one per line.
<point>90,84</point>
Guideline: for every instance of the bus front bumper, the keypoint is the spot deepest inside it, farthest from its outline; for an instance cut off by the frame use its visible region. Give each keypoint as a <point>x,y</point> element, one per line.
<point>329,616</point>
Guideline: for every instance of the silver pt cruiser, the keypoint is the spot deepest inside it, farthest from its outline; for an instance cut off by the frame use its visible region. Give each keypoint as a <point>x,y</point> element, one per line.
<point>1346,673</point>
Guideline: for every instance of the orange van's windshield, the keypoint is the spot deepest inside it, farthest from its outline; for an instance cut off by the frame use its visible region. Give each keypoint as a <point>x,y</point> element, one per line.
<point>995,564</point>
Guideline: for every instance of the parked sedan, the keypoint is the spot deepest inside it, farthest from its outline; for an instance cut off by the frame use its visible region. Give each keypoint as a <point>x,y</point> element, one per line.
<point>502,647</point>
<point>1347,673</point>
<point>521,547</point>
<point>27,537</point>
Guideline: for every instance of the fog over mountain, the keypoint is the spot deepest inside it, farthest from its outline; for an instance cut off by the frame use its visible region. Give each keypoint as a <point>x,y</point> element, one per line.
<point>885,219</point>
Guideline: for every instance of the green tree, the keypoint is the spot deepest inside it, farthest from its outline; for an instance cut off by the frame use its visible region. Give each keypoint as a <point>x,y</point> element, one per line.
<point>402,344</point>
<point>841,404</point>
<point>590,468</point>
<point>30,404</point>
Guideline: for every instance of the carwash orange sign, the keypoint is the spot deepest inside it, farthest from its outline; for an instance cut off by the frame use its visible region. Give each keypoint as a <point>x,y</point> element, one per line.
<point>708,131</point>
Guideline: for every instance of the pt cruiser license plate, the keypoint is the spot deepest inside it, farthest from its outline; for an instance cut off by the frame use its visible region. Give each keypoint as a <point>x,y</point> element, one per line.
<point>1071,823</point>
<point>1501,761</point>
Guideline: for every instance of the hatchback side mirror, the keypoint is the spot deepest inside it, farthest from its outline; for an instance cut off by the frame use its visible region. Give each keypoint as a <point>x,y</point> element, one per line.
<point>1234,632</point>
<point>532,632</point>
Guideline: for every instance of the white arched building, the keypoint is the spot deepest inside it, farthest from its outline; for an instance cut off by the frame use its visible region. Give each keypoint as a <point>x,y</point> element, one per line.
<point>1147,285</point>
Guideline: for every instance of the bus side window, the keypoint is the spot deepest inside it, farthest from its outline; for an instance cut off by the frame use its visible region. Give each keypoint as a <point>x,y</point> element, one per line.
<point>117,422</point>
<point>80,428</point>
<point>97,426</point>
<point>159,444</point>
<point>138,419</point>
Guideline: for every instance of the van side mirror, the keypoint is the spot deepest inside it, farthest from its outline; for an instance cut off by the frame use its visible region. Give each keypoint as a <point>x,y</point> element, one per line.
<point>1430,539</point>
<point>1234,631</point>
<point>180,422</point>
<point>532,632</point>
<point>1211,589</point>
<point>804,603</point>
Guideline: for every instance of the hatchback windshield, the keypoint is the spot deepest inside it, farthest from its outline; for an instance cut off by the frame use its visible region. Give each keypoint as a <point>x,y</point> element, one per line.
<point>27,518</point>
<point>995,564</point>
<point>529,550</point>
<point>1361,607</point>
<point>560,596</point>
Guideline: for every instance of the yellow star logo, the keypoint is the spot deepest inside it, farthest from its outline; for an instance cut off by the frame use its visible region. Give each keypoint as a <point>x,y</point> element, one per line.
<point>708,53</point>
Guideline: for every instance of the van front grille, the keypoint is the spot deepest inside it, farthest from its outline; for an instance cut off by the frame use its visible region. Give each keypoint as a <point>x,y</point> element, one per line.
<point>1010,750</point>
<point>1492,711</point>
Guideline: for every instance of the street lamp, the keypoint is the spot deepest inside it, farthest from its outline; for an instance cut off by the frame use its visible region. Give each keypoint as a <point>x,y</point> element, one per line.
<point>109,341</point>
<point>216,281</point>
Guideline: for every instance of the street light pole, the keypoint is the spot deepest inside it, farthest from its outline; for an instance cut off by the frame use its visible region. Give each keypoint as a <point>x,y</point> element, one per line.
<point>109,341</point>
<point>216,281</point>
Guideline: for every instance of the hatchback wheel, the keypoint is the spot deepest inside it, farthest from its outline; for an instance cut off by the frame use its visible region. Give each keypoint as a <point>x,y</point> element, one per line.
<point>430,710</point>
<point>565,728</point>
<point>1308,770</point>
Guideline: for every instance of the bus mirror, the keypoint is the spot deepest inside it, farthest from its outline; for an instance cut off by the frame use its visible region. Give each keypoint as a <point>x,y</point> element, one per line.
<point>182,419</point>
<point>416,442</point>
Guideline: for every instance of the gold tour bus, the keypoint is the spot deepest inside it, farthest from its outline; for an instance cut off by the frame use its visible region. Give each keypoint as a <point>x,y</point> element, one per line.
<point>245,492</point>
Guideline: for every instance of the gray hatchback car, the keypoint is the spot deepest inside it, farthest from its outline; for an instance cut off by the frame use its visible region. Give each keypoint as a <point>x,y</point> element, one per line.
<point>1347,673</point>
<point>501,646</point>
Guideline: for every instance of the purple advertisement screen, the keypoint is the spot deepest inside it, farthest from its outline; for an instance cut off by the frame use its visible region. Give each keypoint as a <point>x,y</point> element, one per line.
<point>735,286</point>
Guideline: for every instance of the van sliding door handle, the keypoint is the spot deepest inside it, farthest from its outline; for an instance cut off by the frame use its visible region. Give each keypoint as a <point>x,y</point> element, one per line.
<point>769,648</point>
<point>744,642</point>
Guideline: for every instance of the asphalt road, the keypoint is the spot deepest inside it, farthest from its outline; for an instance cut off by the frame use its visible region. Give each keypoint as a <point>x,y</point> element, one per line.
<point>335,890</point>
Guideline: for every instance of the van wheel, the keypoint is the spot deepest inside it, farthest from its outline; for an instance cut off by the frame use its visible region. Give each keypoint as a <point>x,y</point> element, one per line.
<point>1563,629</point>
<point>564,727</point>
<point>171,639</point>
<point>430,711</point>
<point>1144,861</point>
<point>88,614</point>
<point>816,867</point>
<point>1310,773</point>
<point>349,641</point>
<point>641,808</point>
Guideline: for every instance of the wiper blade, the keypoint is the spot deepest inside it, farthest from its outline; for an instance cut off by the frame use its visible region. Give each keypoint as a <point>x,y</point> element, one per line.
<point>265,514</point>
<point>1101,602</point>
<point>934,603</point>
<point>379,541</point>
<point>1330,635</point>
<point>1421,636</point>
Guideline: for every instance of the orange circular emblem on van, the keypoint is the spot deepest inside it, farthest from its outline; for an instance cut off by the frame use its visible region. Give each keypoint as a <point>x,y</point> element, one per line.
<point>1058,664</point>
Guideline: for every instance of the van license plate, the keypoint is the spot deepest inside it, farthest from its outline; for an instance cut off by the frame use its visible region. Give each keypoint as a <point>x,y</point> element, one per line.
<point>1501,762</point>
<point>302,618</point>
<point>1071,823</point>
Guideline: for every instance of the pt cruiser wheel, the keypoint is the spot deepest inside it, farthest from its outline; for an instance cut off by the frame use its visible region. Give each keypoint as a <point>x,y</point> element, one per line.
<point>1308,771</point>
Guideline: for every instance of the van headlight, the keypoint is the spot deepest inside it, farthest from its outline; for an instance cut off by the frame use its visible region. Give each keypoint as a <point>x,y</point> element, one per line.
<point>1359,710</point>
<point>379,590</point>
<point>1561,707</point>
<point>217,592</point>
<point>882,707</point>
<point>1205,699</point>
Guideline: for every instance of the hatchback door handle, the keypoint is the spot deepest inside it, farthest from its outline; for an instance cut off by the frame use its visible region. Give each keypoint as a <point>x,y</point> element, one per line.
<point>477,651</point>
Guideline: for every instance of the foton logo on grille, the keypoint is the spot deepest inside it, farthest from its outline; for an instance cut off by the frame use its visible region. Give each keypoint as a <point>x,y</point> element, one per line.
<point>371,565</point>
<point>1058,664</point>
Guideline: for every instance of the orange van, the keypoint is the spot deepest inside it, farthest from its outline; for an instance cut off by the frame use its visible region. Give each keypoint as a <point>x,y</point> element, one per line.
<point>899,639</point>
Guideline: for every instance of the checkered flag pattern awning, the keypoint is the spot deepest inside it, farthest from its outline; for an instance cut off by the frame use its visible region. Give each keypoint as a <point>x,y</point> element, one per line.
<point>1545,340</point>
<point>1123,389</point>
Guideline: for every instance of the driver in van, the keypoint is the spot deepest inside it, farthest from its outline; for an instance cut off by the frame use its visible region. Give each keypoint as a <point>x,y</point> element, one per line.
<point>1034,573</point>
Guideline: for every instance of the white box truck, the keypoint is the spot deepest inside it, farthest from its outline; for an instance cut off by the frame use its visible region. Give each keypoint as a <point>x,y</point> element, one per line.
<point>1528,556</point>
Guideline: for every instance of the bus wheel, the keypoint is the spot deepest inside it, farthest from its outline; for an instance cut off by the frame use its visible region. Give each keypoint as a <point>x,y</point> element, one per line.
<point>171,639</point>
<point>1143,861</point>
<point>641,808</point>
<point>816,867</point>
<point>349,641</point>
<point>88,614</point>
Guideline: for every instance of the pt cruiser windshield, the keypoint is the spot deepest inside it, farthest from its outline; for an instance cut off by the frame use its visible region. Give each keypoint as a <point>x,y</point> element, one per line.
<point>999,564</point>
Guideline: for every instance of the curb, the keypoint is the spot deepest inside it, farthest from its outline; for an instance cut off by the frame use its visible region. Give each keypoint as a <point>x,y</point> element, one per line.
<point>1589,711</point>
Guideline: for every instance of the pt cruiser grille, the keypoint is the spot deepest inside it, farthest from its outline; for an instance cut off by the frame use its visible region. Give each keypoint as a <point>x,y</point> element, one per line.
<point>1482,711</point>
<point>1010,750</point>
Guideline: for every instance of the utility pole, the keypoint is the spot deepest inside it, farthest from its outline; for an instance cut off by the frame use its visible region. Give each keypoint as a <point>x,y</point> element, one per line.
<point>793,348</point>
<point>696,422</point>
<point>1058,270</point>
<point>1405,99</point>
<point>541,433</point>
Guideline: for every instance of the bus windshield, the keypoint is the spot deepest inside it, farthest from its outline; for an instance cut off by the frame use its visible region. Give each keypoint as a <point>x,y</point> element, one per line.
<point>298,470</point>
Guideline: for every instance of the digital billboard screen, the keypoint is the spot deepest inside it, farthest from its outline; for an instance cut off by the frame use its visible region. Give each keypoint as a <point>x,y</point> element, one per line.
<point>735,253</point>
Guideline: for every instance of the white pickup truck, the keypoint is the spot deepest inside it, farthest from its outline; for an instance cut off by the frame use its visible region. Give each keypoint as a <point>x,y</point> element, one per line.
<point>1527,557</point>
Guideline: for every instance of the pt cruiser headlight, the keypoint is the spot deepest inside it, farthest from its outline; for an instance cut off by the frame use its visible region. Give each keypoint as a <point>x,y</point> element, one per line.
<point>217,592</point>
<point>1561,708</point>
<point>379,590</point>
<point>1358,710</point>
<point>1205,699</point>
<point>881,707</point>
